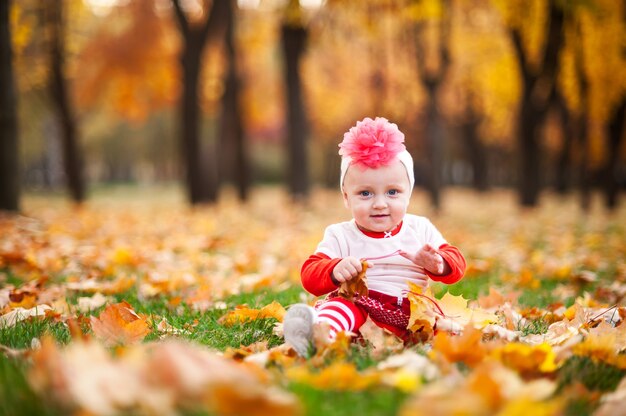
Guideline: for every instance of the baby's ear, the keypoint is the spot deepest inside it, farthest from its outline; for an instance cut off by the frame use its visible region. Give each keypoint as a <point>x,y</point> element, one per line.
<point>345,199</point>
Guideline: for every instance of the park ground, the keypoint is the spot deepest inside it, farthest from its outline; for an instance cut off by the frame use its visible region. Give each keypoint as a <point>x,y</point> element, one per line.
<point>136,303</point>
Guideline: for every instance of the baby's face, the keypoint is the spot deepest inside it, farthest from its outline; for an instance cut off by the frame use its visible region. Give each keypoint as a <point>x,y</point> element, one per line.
<point>378,198</point>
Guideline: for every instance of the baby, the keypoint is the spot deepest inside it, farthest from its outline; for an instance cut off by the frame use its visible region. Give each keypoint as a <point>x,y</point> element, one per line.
<point>376,183</point>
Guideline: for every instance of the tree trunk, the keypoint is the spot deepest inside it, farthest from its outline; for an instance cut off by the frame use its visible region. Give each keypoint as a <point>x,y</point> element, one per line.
<point>432,80</point>
<point>332,166</point>
<point>435,138</point>
<point>234,161</point>
<point>564,162</point>
<point>475,149</point>
<point>201,178</point>
<point>615,136</point>
<point>538,86</point>
<point>529,129</point>
<point>9,155</point>
<point>582,127</point>
<point>294,42</point>
<point>72,163</point>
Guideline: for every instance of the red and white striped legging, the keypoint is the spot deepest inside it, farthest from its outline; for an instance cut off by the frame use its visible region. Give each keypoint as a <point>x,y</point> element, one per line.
<point>341,315</point>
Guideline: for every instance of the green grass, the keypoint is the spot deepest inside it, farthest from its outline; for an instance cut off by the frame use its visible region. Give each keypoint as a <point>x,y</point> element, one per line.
<point>22,334</point>
<point>373,402</point>
<point>593,375</point>
<point>16,397</point>
<point>470,288</point>
<point>534,327</point>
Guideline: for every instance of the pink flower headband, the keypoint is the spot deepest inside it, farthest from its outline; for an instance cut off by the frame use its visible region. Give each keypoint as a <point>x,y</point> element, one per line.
<point>372,144</point>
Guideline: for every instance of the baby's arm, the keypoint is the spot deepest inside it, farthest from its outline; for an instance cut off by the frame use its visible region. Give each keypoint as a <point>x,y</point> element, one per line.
<point>317,274</point>
<point>321,275</point>
<point>429,258</point>
<point>453,263</point>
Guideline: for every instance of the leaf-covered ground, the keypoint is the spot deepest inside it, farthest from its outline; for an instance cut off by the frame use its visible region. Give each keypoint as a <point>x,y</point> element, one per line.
<point>138,304</point>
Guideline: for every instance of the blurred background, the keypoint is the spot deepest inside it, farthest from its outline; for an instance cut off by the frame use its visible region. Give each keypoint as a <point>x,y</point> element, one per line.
<point>226,95</point>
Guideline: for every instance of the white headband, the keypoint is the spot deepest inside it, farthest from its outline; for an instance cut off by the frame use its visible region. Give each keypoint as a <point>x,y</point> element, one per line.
<point>404,157</point>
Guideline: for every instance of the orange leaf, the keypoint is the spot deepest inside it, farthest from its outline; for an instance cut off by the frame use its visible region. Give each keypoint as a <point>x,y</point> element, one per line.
<point>466,348</point>
<point>243,314</point>
<point>23,299</point>
<point>119,324</point>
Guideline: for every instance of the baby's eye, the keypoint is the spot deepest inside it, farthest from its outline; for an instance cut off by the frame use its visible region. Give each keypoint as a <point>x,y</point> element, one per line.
<point>365,193</point>
<point>393,192</point>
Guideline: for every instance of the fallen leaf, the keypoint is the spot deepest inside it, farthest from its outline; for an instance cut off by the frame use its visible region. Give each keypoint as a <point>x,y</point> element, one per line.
<point>424,309</point>
<point>381,340</point>
<point>119,324</point>
<point>165,329</point>
<point>162,378</point>
<point>20,314</point>
<point>528,360</point>
<point>242,314</point>
<point>466,348</point>
<point>87,304</point>
<point>339,375</point>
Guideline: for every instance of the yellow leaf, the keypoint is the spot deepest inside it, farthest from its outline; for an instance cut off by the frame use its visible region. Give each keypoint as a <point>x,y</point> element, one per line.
<point>455,308</point>
<point>122,256</point>
<point>339,375</point>
<point>527,359</point>
<point>524,406</point>
<point>423,311</point>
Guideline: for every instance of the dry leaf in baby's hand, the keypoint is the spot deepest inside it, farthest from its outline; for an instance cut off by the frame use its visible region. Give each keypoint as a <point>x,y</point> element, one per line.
<point>119,324</point>
<point>356,285</point>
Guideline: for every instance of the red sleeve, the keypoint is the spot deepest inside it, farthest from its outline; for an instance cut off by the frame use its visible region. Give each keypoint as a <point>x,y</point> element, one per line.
<point>316,274</point>
<point>455,260</point>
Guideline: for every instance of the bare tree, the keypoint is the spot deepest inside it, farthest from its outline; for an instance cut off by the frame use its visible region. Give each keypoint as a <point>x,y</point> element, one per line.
<point>616,138</point>
<point>201,178</point>
<point>475,148</point>
<point>294,39</point>
<point>57,84</point>
<point>234,160</point>
<point>432,80</point>
<point>538,83</point>
<point>9,165</point>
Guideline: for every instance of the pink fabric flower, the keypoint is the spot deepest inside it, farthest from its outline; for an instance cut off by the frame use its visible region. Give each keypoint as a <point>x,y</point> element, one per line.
<point>372,143</point>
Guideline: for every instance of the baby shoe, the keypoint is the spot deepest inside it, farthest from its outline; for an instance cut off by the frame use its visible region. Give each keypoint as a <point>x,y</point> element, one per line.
<point>298,328</point>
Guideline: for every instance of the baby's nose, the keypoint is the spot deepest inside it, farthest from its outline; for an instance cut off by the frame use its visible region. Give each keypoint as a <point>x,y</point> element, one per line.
<point>380,201</point>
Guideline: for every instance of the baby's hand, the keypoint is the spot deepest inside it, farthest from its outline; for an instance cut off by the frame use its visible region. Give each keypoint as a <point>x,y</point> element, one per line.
<point>429,259</point>
<point>346,269</point>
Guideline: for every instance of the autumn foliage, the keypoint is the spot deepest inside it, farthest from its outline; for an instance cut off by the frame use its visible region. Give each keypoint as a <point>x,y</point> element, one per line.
<point>490,345</point>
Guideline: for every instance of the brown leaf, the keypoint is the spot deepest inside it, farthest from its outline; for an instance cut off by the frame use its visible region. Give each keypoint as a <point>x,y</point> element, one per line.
<point>356,285</point>
<point>381,340</point>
